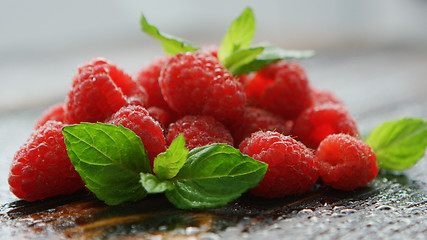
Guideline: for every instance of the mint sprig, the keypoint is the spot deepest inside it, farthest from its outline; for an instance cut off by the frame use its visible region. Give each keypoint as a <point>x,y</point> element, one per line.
<point>237,55</point>
<point>235,51</point>
<point>268,55</point>
<point>152,184</point>
<point>239,35</point>
<point>214,175</point>
<point>108,159</point>
<point>242,58</point>
<point>168,164</point>
<point>399,144</point>
<point>115,167</point>
<point>171,45</point>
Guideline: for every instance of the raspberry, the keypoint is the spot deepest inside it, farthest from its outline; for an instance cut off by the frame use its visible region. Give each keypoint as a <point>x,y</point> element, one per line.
<point>292,167</point>
<point>137,119</point>
<point>55,112</point>
<point>163,116</point>
<point>316,123</point>
<point>324,97</point>
<point>196,83</point>
<point>199,131</point>
<point>98,90</point>
<point>41,167</point>
<point>281,88</point>
<point>148,77</point>
<point>255,119</point>
<point>345,162</point>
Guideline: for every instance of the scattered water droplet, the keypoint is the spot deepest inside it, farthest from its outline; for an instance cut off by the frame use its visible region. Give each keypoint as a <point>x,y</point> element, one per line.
<point>305,211</point>
<point>384,207</point>
<point>348,211</point>
<point>336,208</point>
<point>337,215</point>
<point>326,212</point>
<point>404,195</point>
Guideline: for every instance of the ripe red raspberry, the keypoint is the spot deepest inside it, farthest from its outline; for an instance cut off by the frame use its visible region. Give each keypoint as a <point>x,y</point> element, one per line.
<point>196,83</point>
<point>316,123</point>
<point>55,112</point>
<point>199,131</point>
<point>324,97</point>
<point>98,90</point>
<point>41,167</point>
<point>148,77</point>
<point>255,119</point>
<point>137,119</point>
<point>292,167</point>
<point>282,88</point>
<point>345,162</point>
<point>163,116</point>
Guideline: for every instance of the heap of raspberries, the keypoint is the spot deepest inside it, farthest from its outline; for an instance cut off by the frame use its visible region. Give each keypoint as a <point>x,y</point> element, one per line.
<point>273,115</point>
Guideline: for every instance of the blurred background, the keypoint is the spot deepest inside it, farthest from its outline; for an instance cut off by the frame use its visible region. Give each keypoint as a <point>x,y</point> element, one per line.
<point>42,42</point>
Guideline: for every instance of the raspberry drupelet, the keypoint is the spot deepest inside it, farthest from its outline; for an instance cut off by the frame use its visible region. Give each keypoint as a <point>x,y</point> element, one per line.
<point>199,131</point>
<point>197,84</point>
<point>99,89</point>
<point>346,163</point>
<point>41,168</point>
<point>292,167</point>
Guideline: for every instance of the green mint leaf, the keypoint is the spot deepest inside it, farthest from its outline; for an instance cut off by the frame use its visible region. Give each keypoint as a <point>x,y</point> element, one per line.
<point>171,45</point>
<point>153,184</point>
<point>109,159</point>
<point>241,57</point>
<point>270,55</point>
<point>239,35</point>
<point>168,164</point>
<point>214,175</point>
<point>399,144</point>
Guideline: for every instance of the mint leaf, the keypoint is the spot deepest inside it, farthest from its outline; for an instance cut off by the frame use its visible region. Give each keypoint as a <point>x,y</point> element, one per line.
<point>399,144</point>
<point>269,55</point>
<point>214,175</point>
<point>171,45</point>
<point>108,159</point>
<point>242,57</point>
<point>153,184</point>
<point>239,35</point>
<point>168,164</point>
